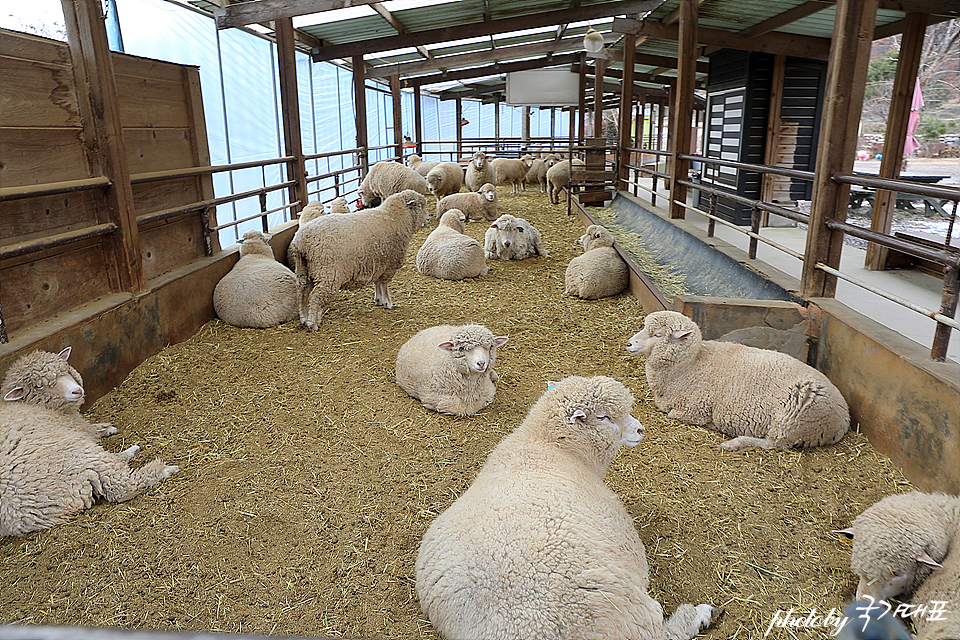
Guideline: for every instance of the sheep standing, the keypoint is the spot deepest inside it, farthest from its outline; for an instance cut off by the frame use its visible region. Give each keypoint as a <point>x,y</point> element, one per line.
<point>511,238</point>
<point>450,368</point>
<point>762,398</point>
<point>479,172</point>
<point>258,291</point>
<point>448,253</point>
<point>348,252</point>
<point>444,179</point>
<point>538,546</point>
<point>47,380</point>
<point>510,171</point>
<point>537,172</point>
<point>558,177</point>
<point>387,178</point>
<point>311,211</point>
<point>50,470</point>
<point>422,166</point>
<point>909,544</point>
<point>476,205</point>
<point>600,271</point>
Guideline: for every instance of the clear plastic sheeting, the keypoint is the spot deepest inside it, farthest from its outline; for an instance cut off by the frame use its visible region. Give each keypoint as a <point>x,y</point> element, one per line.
<point>239,83</point>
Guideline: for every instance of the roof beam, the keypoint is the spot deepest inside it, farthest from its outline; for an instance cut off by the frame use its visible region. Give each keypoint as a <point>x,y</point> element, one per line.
<point>503,25</point>
<point>396,24</point>
<point>244,13</point>
<point>787,44</point>
<point>802,11</point>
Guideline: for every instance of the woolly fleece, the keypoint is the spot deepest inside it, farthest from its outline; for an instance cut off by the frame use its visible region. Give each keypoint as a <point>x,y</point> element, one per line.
<point>448,253</point>
<point>258,291</point>
<point>600,272</point>
<point>510,238</point>
<point>476,205</point>
<point>479,172</point>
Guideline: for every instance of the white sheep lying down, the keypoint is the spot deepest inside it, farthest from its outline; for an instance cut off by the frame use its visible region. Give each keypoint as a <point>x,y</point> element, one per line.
<point>538,546</point>
<point>349,251</point>
<point>258,291</point>
<point>448,253</point>
<point>450,368</point>
<point>909,544</point>
<point>763,398</point>
<point>51,463</point>
<point>600,272</point>
<point>512,238</point>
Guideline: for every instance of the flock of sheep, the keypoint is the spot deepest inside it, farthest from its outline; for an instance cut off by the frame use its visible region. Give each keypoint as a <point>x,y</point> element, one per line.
<point>538,546</point>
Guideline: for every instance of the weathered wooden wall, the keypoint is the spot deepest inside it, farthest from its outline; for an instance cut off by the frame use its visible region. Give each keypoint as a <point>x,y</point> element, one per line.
<point>45,138</point>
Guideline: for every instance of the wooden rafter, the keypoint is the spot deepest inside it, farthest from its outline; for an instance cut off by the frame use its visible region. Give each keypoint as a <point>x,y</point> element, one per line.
<point>492,27</point>
<point>802,11</point>
<point>399,26</point>
<point>244,13</point>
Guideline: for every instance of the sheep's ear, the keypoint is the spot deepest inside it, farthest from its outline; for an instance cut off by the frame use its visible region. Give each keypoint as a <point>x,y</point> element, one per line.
<point>14,394</point>
<point>494,226</point>
<point>677,336</point>
<point>499,341</point>
<point>843,533</point>
<point>446,346</point>
<point>925,558</point>
<point>63,355</point>
<point>577,416</point>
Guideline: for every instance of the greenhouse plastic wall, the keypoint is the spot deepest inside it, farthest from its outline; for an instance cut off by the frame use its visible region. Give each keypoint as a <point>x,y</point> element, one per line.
<point>240,87</point>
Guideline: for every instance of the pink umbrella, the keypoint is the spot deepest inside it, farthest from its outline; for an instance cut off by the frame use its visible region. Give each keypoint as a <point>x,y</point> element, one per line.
<point>911,144</point>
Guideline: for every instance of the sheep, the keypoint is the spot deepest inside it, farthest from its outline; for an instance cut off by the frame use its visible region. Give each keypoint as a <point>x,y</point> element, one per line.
<point>449,369</point>
<point>909,543</point>
<point>558,176</point>
<point>537,172</point>
<point>764,398</point>
<point>258,291</point>
<point>538,546</point>
<point>510,171</point>
<point>444,179</point>
<point>339,205</point>
<point>50,470</point>
<point>387,178</point>
<point>422,166</point>
<point>311,211</point>
<point>476,205</point>
<point>348,252</point>
<point>479,172</point>
<point>449,254</point>
<point>600,272</point>
<point>45,379</point>
<point>510,238</point>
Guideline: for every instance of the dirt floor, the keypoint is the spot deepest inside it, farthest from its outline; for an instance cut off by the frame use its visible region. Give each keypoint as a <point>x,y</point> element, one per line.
<point>308,476</point>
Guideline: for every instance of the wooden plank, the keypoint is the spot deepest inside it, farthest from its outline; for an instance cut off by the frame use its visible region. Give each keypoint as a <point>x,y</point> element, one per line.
<point>32,218</point>
<point>35,94</point>
<point>240,14</point>
<point>166,194</point>
<point>150,68</point>
<point>146,103</point>
<point>17,45</point>
<point>158,149</point>
<point>38,288</point>
<point>201,152</point>
<point>171,243</point>
<point>36,156</point>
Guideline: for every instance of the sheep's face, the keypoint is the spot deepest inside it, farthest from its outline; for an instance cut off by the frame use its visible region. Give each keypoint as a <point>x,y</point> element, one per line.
<point>488,192</point>
<point>55,386</point>
<point>664,328</point>
<point>595,236</point>
<point>434,181</point>
<point>527,160</point>
<point>474,358</point>
<point>509,233</point>
<point>551,160</point>
<point>479,160</point>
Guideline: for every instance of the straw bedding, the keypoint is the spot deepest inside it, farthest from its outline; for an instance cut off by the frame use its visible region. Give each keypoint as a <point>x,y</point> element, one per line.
<point>308,477</point>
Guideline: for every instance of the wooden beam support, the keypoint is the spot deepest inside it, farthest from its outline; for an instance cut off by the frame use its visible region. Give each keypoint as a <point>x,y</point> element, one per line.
<point>681,112</point>
<point>808,8</point>
<point>290,111</point>
<point>626,110</point>
<point>788,44</point>
<point>103,137</point>
<point>769,181</point>
<point>837,147</point>
<point>244,13</point>
<point>360,103</point>
<point>397,115</point>
<point>598,98</point>
<point>493,27</point>
<point>418,120</point>
<point>904,82</point>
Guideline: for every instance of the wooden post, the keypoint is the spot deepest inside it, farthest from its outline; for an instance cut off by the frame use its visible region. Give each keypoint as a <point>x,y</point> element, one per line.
<point>582,108</point>
<point>598,98</point>
<point>681,111</point>
<point>397,115</point>
<point>290,111</point>
<point>626,108</point>
<point>496,117</point>
<point>103,136</point>
<point>360,101</point>
<point>525,125</point>
<point>459,116</point>
<point>418,117</point>
<point>553,122</point>
<point>846,78</point>
<point>201,158</point>
<point>908,63</point>
<point>767,186</point>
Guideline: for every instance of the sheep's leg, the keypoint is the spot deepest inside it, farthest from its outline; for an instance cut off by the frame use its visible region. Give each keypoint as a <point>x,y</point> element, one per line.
<point>119,482</point>
<point>320,297</point>
<point>688,620</point>
<point>746,442</point>
<point>104,429</point>
<point>304,289</point>
<point>127,454</point>
<point>382,294</point>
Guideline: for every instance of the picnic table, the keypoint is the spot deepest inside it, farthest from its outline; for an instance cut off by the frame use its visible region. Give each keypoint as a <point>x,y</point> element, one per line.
<point>905,201</point>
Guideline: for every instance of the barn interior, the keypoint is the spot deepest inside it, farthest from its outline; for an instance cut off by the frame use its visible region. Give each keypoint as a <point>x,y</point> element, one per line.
<point>115,229</point>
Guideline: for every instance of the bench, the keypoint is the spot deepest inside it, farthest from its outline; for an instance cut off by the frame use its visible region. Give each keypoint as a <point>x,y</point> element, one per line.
<point>905,201</point>
<point>900,260</point>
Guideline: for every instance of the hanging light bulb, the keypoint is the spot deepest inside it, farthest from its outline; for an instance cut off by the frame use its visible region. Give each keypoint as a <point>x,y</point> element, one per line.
<point>593,41</point>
